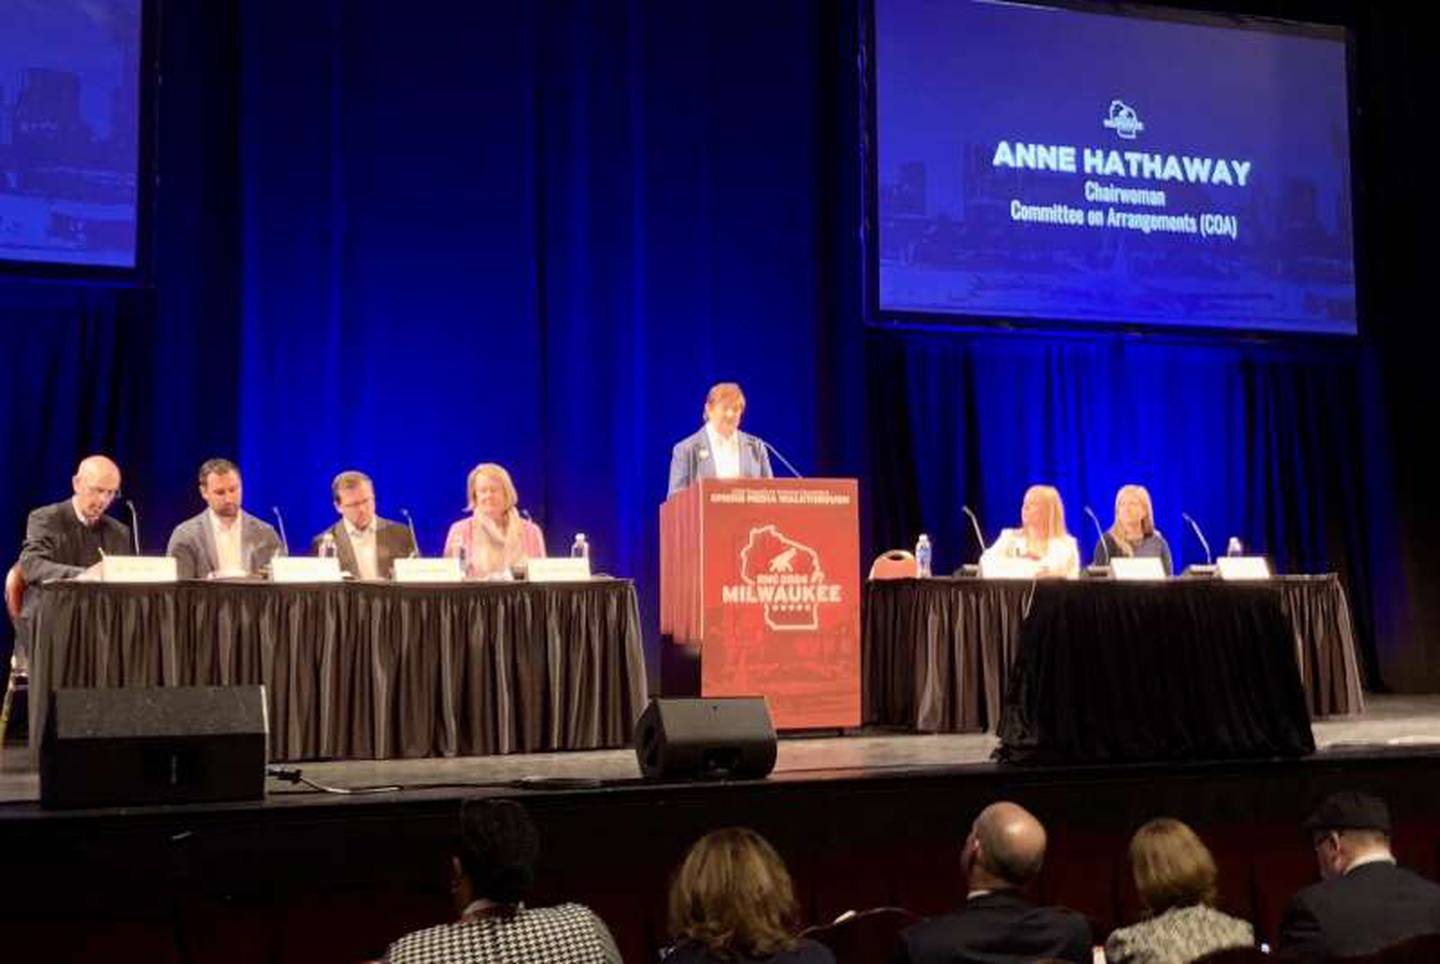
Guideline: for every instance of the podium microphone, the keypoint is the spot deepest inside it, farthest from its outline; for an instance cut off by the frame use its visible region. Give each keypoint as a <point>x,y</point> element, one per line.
<point>1100,532</point>
<point>134,525</point>
<point>1209,560</point>
<point>284,542</point>
<point>414,541</point>
<point>975,524</point>
<point>783,460</point>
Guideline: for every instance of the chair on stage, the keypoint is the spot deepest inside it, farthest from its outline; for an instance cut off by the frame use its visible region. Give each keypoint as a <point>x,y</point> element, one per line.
<point>19,676</point>
<point>866,936</point>
<point>895,564</point>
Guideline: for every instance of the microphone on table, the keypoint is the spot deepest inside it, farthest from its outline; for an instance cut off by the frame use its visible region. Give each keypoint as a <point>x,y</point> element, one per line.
<point>1209,560</point>
<point>975,525</point>
<point>972,568</point>
<point>284,542</point>
<point>134,525</point>
<point>414,540</point>
<point>783,460</point>
<point>1100,532</point>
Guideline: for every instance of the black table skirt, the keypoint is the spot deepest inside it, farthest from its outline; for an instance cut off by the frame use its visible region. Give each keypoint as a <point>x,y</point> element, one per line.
<point>1125,672</point>
<point>937,652</point>
<point>366,670</point>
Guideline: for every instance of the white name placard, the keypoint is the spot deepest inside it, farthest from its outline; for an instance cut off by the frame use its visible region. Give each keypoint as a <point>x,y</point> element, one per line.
<point>1006,567</point>
<point>558,569</point>
<point>428,570</point>
<point>1132,569</point>
<point>1243,568</point>
<point>138,569</point>
<point>305,569</point>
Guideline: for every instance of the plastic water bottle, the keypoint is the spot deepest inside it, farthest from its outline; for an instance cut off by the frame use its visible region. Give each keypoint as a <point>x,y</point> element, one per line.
<point>327,545</point>
<point>462,557</point>
<point>580,549</point>
<point>1234,548</point>
<point>922,556</point>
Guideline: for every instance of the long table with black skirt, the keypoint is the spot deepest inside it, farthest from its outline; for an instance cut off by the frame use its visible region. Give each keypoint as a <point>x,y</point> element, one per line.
<point>1125,672</point>
<point>938,653</point>
<point>365,670</point>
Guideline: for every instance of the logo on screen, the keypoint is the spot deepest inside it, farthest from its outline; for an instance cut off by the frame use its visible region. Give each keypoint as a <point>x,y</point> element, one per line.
<point>1123,120</point>
<point>783,576</point>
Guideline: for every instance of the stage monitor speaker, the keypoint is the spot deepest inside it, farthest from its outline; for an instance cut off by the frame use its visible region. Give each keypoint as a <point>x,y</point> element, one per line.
<point>706,738</point>
<point>163,744</point>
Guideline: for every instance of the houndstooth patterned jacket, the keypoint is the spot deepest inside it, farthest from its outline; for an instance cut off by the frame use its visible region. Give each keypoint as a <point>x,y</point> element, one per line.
<point>567,934</point>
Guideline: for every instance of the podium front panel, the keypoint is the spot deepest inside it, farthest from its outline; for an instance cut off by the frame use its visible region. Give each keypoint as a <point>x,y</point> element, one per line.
<point>780,585</point>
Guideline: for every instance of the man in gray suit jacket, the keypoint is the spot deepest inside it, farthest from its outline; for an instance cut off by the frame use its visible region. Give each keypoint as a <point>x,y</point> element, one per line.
<point>223,538</point>
<point>365,544</point>
<point>719,450</point>
<point>65,539</point>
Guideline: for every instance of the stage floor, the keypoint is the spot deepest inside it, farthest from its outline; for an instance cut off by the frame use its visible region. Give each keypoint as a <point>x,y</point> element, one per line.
<point>1390,723</point>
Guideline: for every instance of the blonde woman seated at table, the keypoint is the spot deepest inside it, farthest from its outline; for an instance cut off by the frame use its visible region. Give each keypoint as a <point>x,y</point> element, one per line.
<point>494,538</point>
<point>1175,877</point>
<point>1041,538</point>
<point>1134,533</point>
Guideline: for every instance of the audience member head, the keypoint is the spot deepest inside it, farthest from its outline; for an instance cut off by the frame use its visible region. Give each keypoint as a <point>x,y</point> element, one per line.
<point>1172,866</point>
<point>1005,848</point>
<point>354,496</point>
<point>1134,514</point>
<point>1346,827</point>
<point>733,896</point>
<point>499,846</point>
<point>220,487</point>
<point>490,491</point>
<point>724,404</point>
<point>96,483</point>
<point>1042,514</point>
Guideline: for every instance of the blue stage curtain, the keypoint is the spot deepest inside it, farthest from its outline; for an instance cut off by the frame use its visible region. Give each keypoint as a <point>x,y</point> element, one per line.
<point>410,239</point>
<point>1266,443</point>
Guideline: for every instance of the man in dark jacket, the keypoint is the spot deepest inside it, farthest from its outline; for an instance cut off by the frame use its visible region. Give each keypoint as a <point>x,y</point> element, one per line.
<point>1002,854</point>
<point>69,538</point>
<point>1364,901</point>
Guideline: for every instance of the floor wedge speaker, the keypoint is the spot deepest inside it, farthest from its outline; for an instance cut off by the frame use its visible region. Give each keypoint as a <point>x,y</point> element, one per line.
<point>706,738</point>
<point>164,744</point>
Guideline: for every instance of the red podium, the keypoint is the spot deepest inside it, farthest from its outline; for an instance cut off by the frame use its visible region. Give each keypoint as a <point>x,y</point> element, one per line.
<point>760,596</point>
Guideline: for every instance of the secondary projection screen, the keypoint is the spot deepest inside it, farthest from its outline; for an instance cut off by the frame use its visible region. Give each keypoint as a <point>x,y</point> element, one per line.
<point>1045,164</point>
<point>69,131</point>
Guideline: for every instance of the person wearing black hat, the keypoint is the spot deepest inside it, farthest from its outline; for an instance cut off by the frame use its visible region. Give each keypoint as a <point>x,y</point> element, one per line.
<point>1364,902</point>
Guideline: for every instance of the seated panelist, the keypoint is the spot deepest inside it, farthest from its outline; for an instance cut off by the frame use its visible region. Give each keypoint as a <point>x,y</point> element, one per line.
<point>493,539</point>
<point>223,540</point>
<point>68,539</point>
<point>1134,533</point>
<point>719,450</point>
<point>366,545</point>
<point>1041,537</point>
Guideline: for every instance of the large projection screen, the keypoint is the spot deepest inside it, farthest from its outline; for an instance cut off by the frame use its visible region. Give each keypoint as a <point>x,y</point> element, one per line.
<point>70,123</point>
<point>1101,166</point>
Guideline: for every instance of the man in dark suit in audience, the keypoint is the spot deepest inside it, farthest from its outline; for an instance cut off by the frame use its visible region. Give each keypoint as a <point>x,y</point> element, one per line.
<point>68,539</point>
<point>1002,854</point>
<point>1364,901</point>
<point>365,544</point>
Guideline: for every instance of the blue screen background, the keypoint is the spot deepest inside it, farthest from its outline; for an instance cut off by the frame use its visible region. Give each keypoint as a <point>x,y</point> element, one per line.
<point>954,80</point>
<point>69,131</point>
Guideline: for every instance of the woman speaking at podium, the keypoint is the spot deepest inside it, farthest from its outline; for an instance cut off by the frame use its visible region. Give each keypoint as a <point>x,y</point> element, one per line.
<point>1041,536</point>
<point>1134,533</point>
<point>719,450</point>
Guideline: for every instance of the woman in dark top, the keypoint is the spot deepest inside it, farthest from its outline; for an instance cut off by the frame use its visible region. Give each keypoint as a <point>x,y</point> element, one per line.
<point>732,900</point>
<point>1134,532</point>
